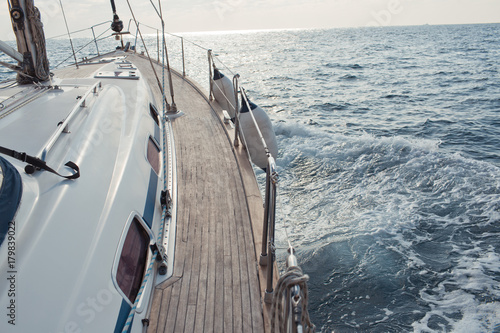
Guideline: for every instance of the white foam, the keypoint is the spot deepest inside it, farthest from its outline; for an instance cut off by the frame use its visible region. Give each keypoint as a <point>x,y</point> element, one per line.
<point>374,182</point>
<point>470,278</point>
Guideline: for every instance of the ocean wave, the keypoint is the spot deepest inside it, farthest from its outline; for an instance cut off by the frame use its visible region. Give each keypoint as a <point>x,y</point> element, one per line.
<point>348,77</point>
<point>329,106</point>
<point>397,213</point>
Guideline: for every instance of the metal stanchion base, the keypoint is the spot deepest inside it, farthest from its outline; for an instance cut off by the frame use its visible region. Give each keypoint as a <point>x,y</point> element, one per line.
<point>263,260</point>
<point>268,297</point>
<point>176,114</point>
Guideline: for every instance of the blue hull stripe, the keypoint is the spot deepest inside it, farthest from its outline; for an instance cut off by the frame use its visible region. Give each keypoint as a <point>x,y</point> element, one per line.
<point>122,317</point>
<point>148,215</point>
<point>149,209</point>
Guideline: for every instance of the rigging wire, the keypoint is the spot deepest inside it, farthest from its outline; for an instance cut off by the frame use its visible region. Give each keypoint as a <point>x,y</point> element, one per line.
<point>163,48</point>
<point>156,10</point>
<point>174,107</point>
<point>9,83</point>
<point>147,52</point>
<point>280,205</point>
<point>69,35</point>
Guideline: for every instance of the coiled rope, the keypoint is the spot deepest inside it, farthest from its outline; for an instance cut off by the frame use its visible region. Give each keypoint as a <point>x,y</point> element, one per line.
<point>42,71</point>
<point>293,277</point>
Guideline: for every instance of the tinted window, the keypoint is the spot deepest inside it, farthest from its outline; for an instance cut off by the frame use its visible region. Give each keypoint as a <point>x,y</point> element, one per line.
<point>154,114</point>
<point>132,265</point>
<point>154,155</point>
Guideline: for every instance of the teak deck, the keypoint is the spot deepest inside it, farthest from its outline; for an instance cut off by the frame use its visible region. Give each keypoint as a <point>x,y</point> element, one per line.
<point>215,285</point>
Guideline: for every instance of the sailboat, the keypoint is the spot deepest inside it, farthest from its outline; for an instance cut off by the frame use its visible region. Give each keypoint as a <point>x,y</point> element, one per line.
<point>128,197</point>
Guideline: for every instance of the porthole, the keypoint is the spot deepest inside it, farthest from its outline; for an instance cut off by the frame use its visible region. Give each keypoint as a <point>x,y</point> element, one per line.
<point>153,155</point>
<point>154,114</point>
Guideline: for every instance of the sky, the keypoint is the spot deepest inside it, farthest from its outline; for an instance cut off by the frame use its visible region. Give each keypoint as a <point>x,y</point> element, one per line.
<point>216,15</point>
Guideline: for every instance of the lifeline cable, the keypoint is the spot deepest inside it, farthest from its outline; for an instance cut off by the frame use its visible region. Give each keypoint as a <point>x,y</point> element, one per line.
<point>59,64</point>
<point>77,31</point>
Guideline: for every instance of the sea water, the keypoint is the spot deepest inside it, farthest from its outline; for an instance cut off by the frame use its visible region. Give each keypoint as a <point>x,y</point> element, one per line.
<point>389,166</point>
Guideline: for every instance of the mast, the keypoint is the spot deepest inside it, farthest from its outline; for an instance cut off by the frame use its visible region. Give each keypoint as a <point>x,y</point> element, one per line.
<point>30,37</point>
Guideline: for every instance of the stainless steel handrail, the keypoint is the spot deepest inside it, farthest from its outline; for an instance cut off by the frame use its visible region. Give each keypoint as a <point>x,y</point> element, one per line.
<point>269,226</point>
<point>236,83</point>
<point>94,90</point>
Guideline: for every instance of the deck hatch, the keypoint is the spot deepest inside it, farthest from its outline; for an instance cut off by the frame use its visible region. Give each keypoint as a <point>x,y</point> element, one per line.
<point>118,74</point>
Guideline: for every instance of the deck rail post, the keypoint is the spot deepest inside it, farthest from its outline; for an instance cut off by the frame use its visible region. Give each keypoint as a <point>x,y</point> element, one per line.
<point>95,41</point>
<point>210,81</point>
<point>183,59</point>
<point>236,83</point>
<point>265,225</point>
<point>136,32</point>
<point>270,221</point>
<point>169,72</point>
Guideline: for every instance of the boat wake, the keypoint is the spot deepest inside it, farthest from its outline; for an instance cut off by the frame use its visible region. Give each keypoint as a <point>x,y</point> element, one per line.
<point>396,233</point>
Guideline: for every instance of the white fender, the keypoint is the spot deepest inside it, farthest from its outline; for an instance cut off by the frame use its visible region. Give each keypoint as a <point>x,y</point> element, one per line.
<point>254,143</point>
<point>223,91</point>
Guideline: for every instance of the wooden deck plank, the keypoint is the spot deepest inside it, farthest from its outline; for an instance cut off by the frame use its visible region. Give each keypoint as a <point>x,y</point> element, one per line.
<point>163,310</point>
<point>192,296</point>
<point>154,318</point>
<point>253,306</point>
<point>219,279</point>
<point>202,282</point>
<point>210,303</point>
<point>172,307</point>
<point>182,305</point>
<point>233,318</point>
<point>245,290</point>
<point>191,311</point>
<point>236,277</point>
